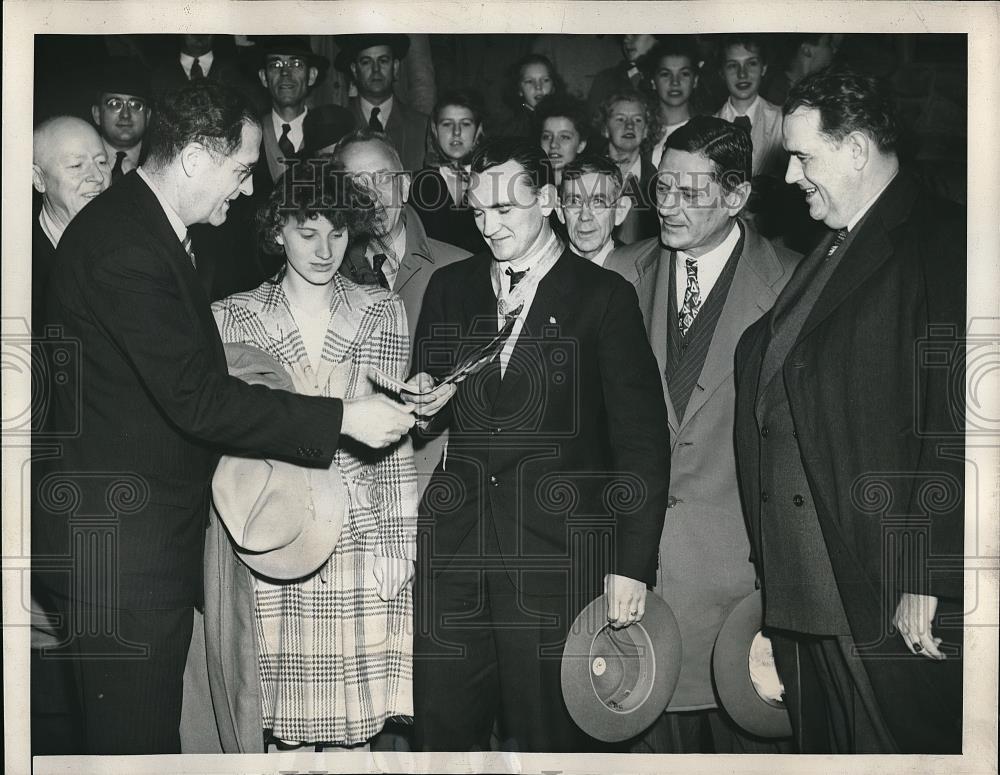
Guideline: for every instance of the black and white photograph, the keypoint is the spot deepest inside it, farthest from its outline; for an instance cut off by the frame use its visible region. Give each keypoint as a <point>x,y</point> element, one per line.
<point>524,387</point>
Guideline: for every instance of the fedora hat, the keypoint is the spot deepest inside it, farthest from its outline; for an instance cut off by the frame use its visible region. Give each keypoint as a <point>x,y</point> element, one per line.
<point>352,45</point>
<point>617,682</point>
<point>124,75</point>
<point>743,668</point>
<point>289,45</point>
<point>284,520</point>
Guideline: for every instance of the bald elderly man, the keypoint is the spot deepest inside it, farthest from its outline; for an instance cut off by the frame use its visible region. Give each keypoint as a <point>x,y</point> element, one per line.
<point>69,167</point>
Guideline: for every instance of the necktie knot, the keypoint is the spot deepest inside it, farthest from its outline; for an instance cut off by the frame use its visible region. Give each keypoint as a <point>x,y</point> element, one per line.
<point>196,71</point>
<point>743,122</point>
<point>374,122</point>
<point>285,142</point>
<point>515,277</point>
<point>116,171</point>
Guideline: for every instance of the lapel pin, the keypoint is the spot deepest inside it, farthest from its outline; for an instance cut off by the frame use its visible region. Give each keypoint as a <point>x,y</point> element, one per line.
<point>552,320</point>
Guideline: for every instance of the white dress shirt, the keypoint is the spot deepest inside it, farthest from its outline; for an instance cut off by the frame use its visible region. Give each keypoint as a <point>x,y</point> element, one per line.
<point>383,110</point>
<point>131,160</point>
<point>602,255</point>
<point>729,112</point>
<point>295,133</point>
<point>175,220</point>
<point>709,266</point>
<point>204,62</point>
<point>50,228</point>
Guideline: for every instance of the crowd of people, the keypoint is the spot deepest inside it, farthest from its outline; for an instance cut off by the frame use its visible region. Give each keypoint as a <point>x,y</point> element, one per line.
<point>712,276</point>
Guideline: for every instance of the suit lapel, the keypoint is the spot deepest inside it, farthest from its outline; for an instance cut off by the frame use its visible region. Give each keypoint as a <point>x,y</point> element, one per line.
<point>417,256</point>
<point>653,287</point>
<point>750,296</point>
<point>271,150</point>
<point>866,252</point>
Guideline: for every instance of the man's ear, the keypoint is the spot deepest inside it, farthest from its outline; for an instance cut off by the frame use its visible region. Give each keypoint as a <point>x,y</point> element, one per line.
<point>37,179</point>
<point>395,70</point>
<point>313,75</point>
<point>547,199</point>
<point>263,77</point>
<point>859,145</point>
<point>622,209</point>
<point>736,199</point>
<point>354,71</point>
<point>192,157</point>
<point>560,214</point>
<point>95,113</point>
<point>405,181</point>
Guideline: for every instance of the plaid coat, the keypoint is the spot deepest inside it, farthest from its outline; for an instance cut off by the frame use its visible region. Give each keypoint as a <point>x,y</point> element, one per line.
<point>334,660</point>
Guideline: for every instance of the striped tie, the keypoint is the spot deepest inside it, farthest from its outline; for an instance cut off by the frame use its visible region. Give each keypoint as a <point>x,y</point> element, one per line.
<point>189,250</point>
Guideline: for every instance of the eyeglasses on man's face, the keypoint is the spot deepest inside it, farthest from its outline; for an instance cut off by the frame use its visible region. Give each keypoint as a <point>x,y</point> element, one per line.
<point>595,204</point>
<point>243,171</point>
<point>292,64</point>
<point>116,104</point>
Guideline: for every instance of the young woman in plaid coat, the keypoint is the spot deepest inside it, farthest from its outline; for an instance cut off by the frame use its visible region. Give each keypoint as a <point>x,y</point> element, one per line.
<point>333,650</point>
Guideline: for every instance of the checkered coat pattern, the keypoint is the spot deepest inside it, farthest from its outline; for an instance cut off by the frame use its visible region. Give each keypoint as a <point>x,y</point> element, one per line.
<point>334,659</point>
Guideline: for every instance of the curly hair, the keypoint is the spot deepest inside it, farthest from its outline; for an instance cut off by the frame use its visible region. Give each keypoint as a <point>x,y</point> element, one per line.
<point>563,106</point>
<point>650,113</point>
<point>202,111</point>
<point>318,188</point>
<point>848,102</point>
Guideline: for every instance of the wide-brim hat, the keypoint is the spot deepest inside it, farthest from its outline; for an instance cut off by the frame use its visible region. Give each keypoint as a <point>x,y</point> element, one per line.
<point>616,683</point>
<point>289,45</point>
<point>741,660</point>
<point>351,45</point>
<point>284,520</point>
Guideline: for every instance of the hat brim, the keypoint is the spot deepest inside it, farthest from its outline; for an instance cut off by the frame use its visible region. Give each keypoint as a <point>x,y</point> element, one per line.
<point>731,671</point>
<point>586,708</point>
<point>318,537</point>
<point>350,45</point>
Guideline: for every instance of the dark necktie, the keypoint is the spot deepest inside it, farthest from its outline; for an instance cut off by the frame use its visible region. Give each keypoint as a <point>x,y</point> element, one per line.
<point>116,171</point>
<point>189,250</point>
<point>196,71</point>
<point>838,240</point>
<point>515,277</point>
<point>285,143</point>
<point>378,260</point>
<point>743,122</point>
<point>374,123</point>
<point>692,297</point>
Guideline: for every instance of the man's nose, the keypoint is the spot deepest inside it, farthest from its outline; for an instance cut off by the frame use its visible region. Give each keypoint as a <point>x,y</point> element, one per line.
<point>246,186</point>
<point>456,131</point>
<point>794,171</point>
<point>126,111</point>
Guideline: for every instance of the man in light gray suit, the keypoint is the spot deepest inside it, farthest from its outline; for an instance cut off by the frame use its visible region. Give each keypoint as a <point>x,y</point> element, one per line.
<point>701,283</point>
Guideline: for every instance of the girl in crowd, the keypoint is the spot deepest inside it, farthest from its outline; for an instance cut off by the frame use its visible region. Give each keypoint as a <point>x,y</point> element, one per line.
<point>333,649</point>
<point>529,80</point>
<point>563,130</point>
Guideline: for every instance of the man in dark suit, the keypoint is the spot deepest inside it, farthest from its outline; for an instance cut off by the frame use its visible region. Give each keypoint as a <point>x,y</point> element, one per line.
<point>198,57</point>
<point>591,204</point>
<point>571,406</point>
<point>706,278</point>
<point>120,528</point>
<point>121,112</point>
<point>850,412</point>
<point>373,62</point>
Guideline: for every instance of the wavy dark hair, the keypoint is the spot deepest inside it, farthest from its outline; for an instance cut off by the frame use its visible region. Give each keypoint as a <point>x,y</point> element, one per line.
<point>202,111</point>
<point>726,145</point>
<point>848,102</point>
<point>512,89</point>
<point>563,106</point>
<point>318,188</point>
<point>493,153</point>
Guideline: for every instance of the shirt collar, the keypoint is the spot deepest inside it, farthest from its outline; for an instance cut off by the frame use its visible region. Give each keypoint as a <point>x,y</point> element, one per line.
<point>49,226</point>
<point>750,112</point>
<point>204,61</point>
<point>295,123</point>
<point>132,154</point>
<point>601,257</point>
<point>175,220</point>
<point>396,248</point>
<point>540,247</point>
<point>383,110</point>
<point>721,252</point>
<point>868,205</point>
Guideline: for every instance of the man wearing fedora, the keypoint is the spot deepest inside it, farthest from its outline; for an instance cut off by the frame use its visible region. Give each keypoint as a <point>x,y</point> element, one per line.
<point>120,529</point>
<point>373,62</point>
<point>553,486</point>
<point>701,283</point>
<point>121,112</point>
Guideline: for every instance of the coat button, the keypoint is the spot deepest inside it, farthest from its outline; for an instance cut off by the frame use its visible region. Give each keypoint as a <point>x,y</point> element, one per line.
<point>671,502</point>
<point>798,500</point>
<point>494,481</point>
<point>763,496</point>
<point>764,431</point>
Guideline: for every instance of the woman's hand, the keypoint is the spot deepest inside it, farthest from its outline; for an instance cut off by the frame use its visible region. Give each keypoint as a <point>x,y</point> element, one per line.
<point>391,575</point>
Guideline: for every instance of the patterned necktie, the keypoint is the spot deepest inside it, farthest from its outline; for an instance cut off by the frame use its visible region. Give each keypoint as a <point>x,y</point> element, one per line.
<point>374,123</point>
<point>186,244</point>
<point>515,278</point>
<point>377,262</point>
<point>692,297</point>
<point>838,240</point>
<point>116,171</point>
<point>196,71</point>
<point>743,122</point>
<point>285,143</point>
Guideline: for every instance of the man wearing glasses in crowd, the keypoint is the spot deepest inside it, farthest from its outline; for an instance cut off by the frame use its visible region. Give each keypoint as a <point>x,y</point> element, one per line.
<point>121,112</point>
<point>119,533</point>
<point>591,205</point>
